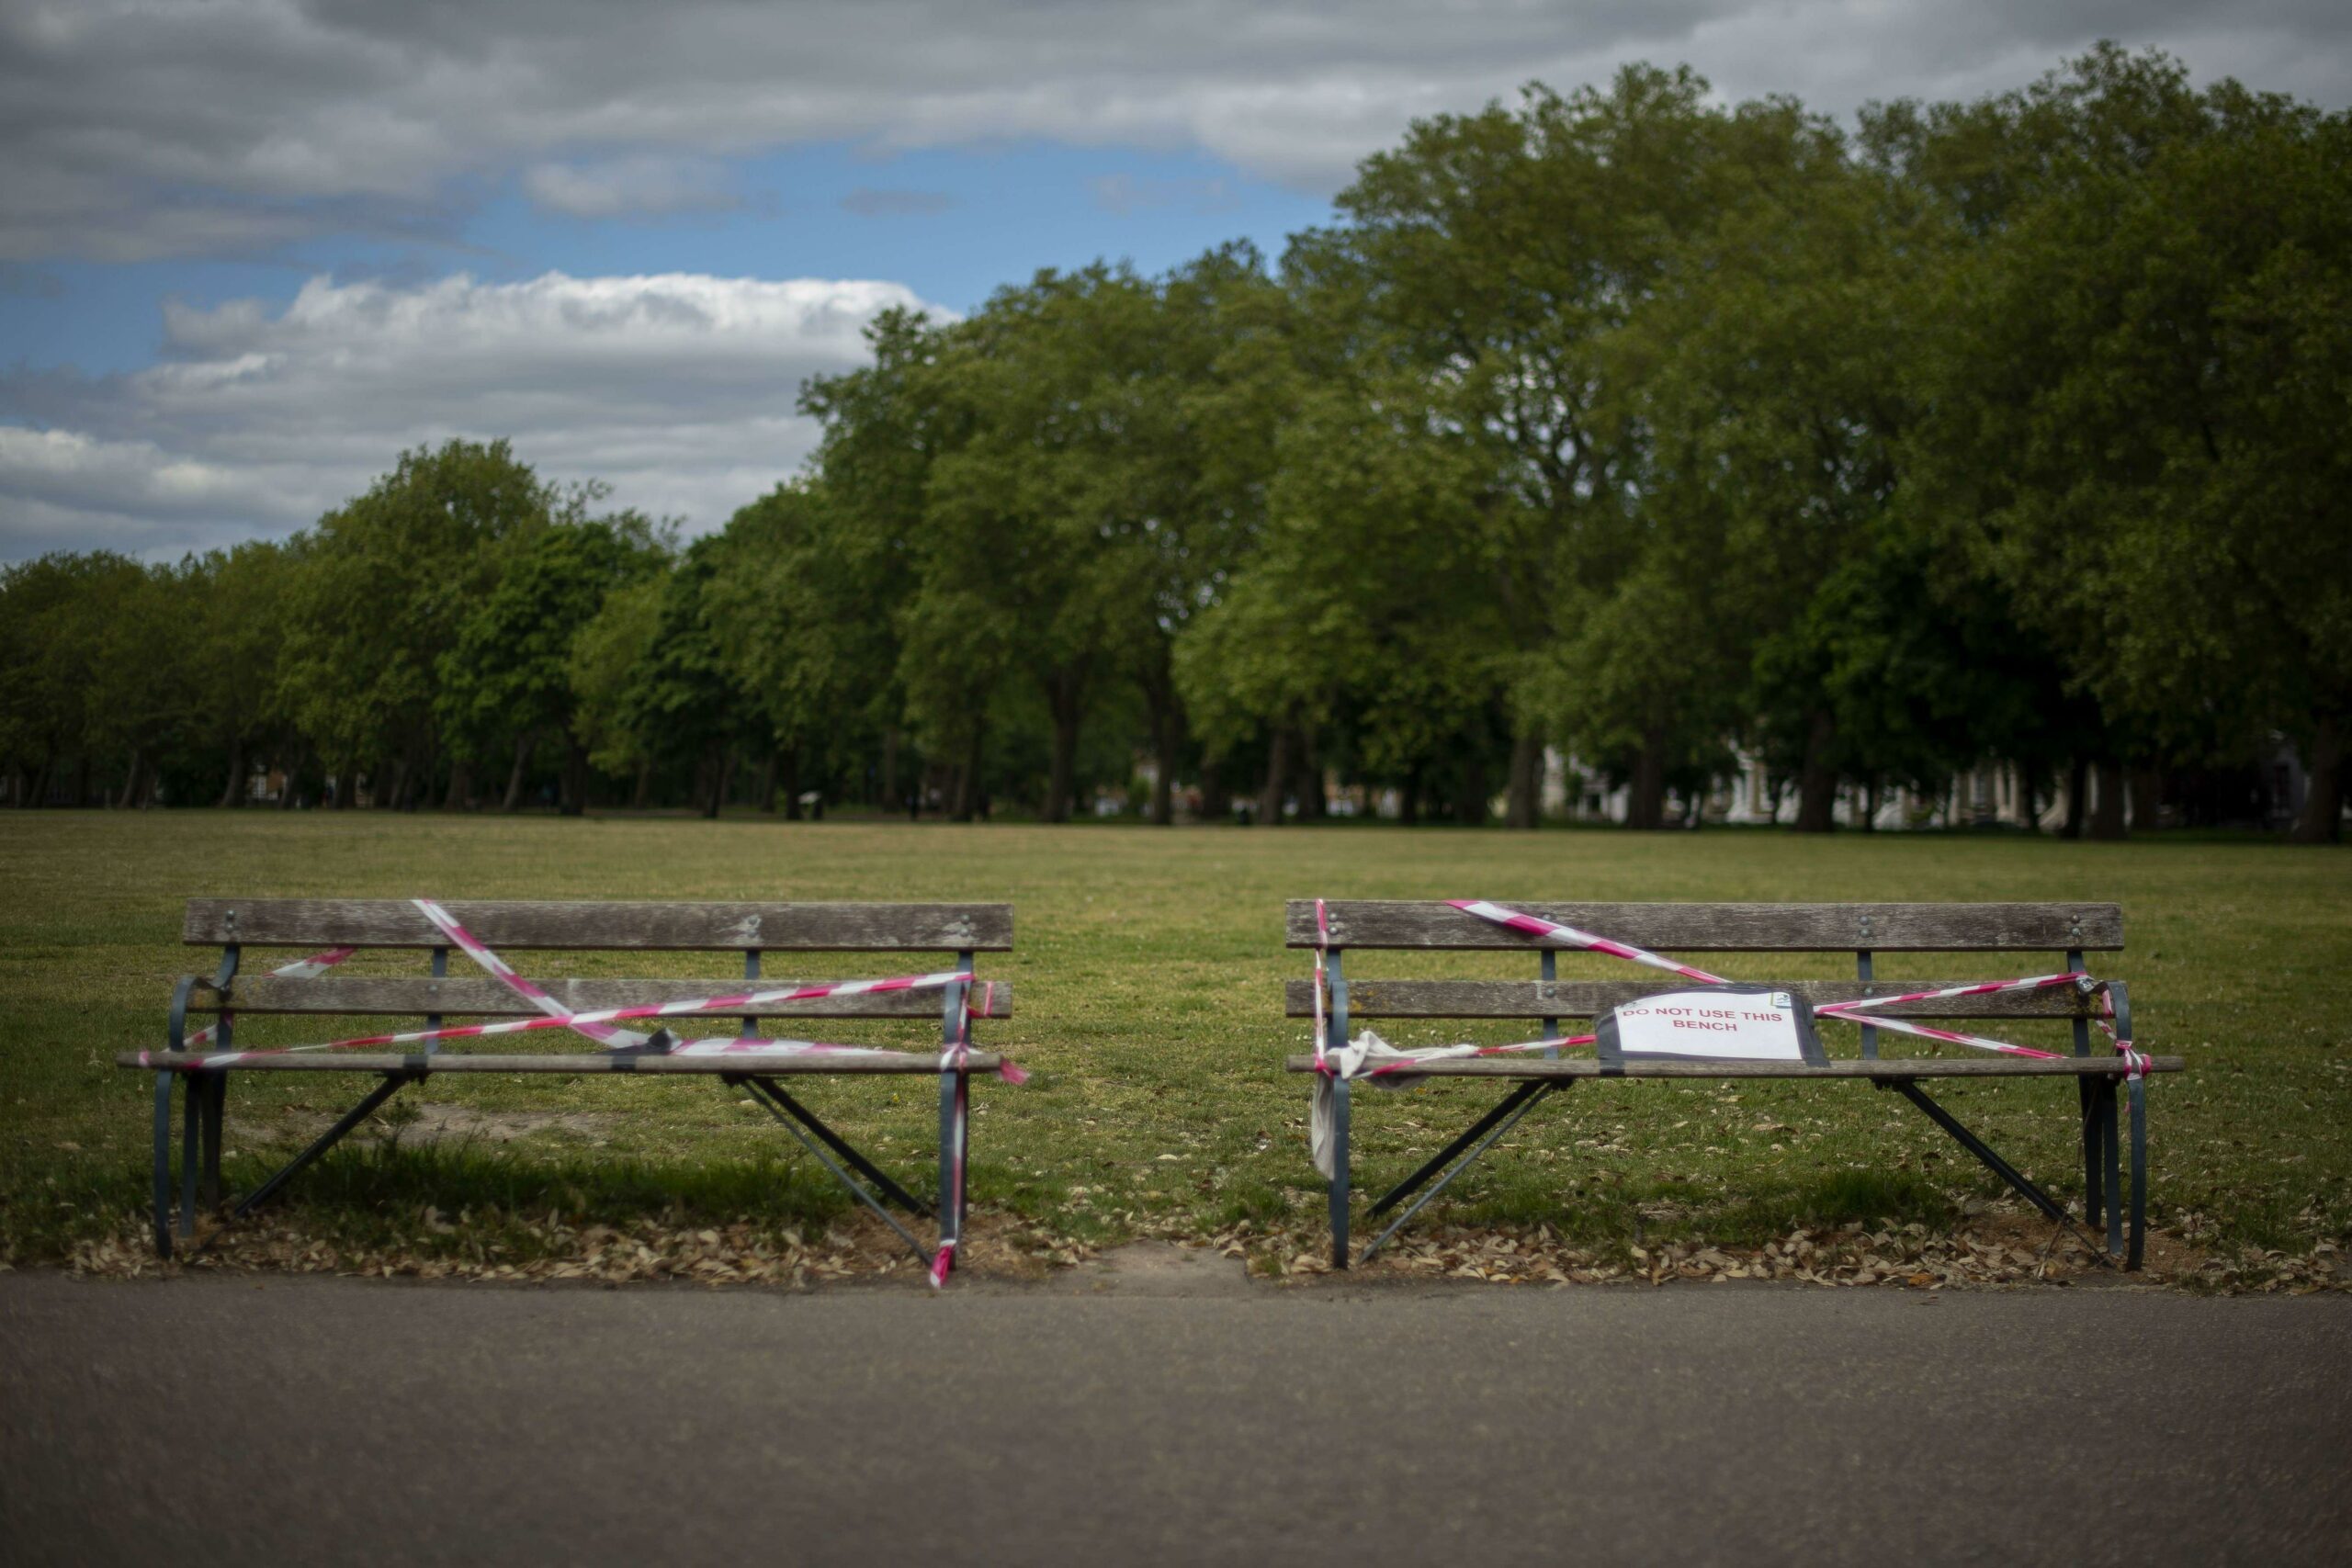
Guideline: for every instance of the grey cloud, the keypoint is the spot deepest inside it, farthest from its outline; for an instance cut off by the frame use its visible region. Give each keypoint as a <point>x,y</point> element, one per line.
<point>680,389</point>
<point>870,201</point>
<point>133,130</point>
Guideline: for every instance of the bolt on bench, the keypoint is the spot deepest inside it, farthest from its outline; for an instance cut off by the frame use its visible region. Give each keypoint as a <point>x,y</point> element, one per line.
<point>1861,929</point>
<point>483,931</point>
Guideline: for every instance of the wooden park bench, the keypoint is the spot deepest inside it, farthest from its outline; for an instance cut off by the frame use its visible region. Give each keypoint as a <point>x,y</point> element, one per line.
<point>1860,930</point>
<point>202,1066</point>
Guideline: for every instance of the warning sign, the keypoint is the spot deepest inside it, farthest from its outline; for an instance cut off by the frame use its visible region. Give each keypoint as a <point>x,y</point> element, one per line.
<point>1722,1024</point>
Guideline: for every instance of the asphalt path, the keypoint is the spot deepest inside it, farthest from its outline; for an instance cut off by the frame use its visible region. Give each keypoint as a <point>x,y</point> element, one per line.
<point>1165,1415</point>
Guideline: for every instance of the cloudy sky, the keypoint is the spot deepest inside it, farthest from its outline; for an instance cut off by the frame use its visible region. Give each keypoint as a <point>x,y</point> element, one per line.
<point>252,249</point>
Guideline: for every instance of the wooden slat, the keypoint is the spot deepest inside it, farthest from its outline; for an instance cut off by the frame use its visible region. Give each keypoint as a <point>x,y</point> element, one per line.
<point>1678,929</point>
<point>476,996</point>
<point>653,927</point>
<point>1589,998</point>
<point>577,1062</point>
<point>2103,1065</point>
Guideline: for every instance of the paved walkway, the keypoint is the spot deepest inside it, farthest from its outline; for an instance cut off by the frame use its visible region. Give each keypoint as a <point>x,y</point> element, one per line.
<point>1168,1414</point>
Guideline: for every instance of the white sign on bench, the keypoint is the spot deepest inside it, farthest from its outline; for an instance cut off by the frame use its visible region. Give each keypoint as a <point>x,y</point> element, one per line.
<point>1721,1023</point>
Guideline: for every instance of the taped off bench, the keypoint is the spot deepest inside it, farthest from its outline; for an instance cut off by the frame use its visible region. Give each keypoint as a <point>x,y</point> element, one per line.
<point>1630,930</point>
<point>572,1026</point>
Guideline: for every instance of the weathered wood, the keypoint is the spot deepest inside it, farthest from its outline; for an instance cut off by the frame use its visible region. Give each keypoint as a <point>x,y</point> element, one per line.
<point>1589,998</point>
<point>1677,928</point>
<point>652,927</point>
<point>476,995</point>
<point>1841,1067</point>
<point>575,1062</point>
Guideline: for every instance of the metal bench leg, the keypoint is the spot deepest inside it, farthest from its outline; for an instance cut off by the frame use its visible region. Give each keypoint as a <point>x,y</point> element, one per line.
<point>163,1165</point>
<point>2087,1091</point>
<point>2111,1160</point>
<point>955,1144</point>
<point>2139,1242</point>
<point>1338,1173</point>
<point>213,1089</point>
<point>191,1149</point>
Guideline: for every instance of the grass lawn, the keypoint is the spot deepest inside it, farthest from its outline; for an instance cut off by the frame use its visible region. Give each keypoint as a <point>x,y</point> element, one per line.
<point>1149,967</point>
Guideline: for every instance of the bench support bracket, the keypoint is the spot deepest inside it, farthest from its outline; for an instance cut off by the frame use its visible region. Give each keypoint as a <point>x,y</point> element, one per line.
<point>1494,1124</point>
<point>771,1096</point>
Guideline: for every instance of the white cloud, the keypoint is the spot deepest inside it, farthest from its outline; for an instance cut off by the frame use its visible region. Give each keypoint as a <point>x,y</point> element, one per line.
<point>133,130</point>
<point>679,389</point>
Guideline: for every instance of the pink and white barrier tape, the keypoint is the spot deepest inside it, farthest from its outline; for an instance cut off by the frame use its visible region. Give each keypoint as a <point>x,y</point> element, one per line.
<point>498,969</point>
<point>1392,1061</point>
<point>309,968</point>
<point>591,1023</point>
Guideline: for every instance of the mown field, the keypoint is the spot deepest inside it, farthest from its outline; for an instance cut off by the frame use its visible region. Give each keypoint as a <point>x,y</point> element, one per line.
<point>1149,967</point>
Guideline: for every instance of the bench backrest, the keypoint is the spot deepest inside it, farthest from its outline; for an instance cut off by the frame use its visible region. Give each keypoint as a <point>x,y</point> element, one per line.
<point>2065,930</point>
<point>514,928</point>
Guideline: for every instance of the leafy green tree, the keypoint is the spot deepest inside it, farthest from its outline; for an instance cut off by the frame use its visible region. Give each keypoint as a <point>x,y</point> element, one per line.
<point>2153,342</point>
<point>1480,272</point>
<point>506,680</point>
<point>385,582</point>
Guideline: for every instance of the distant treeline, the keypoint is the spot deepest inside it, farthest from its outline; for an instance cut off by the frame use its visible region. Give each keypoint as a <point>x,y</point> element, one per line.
<point>1619,423</point>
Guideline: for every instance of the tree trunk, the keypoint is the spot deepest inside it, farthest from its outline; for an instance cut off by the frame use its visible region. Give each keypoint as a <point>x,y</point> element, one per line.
<point>1645,801</point>
<point>514,775</point>
<point>232,788</point>
<point>1471,793</point>
<point>133,780</point>
<point>572,788</point>
<point>1063,690</point>
<point>712,777</point>
<point>764,790</point>
<point>1409,799</point>
<point>460,795</point>
<point>967,779</point>
<point>2321,821</point>
<point>1526,807</point>
<point>889,801</point>
<point>642,796</point>
<point>1817,780</point>
<point>788,775</point>
<point>1872,796</point>
<point>2107,813</point>
<point>1216,794</point>
<point>1306,777</point>
<point>1167,745</point>
<point>1269,799</point>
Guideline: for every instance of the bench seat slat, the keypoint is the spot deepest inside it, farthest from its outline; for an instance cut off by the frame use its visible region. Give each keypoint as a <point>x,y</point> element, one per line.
<point>480,997</point>
<point>1589,998</point>
<point>579,926</point>
<point>1729,927</point>
<point>575,1062</point>
<point>2101,1066</point>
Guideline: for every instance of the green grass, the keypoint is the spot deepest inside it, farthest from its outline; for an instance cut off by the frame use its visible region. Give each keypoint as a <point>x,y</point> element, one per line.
<point>1149,965</point>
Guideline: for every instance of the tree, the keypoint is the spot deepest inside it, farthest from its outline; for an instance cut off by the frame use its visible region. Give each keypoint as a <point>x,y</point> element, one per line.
<point>1482,267</point>
<point>385,582</point>
<point>2155,342</point>
<point>506,680</point>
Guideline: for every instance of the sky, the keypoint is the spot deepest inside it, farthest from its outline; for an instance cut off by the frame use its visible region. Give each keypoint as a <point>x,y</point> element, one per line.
<point>252,250</point>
